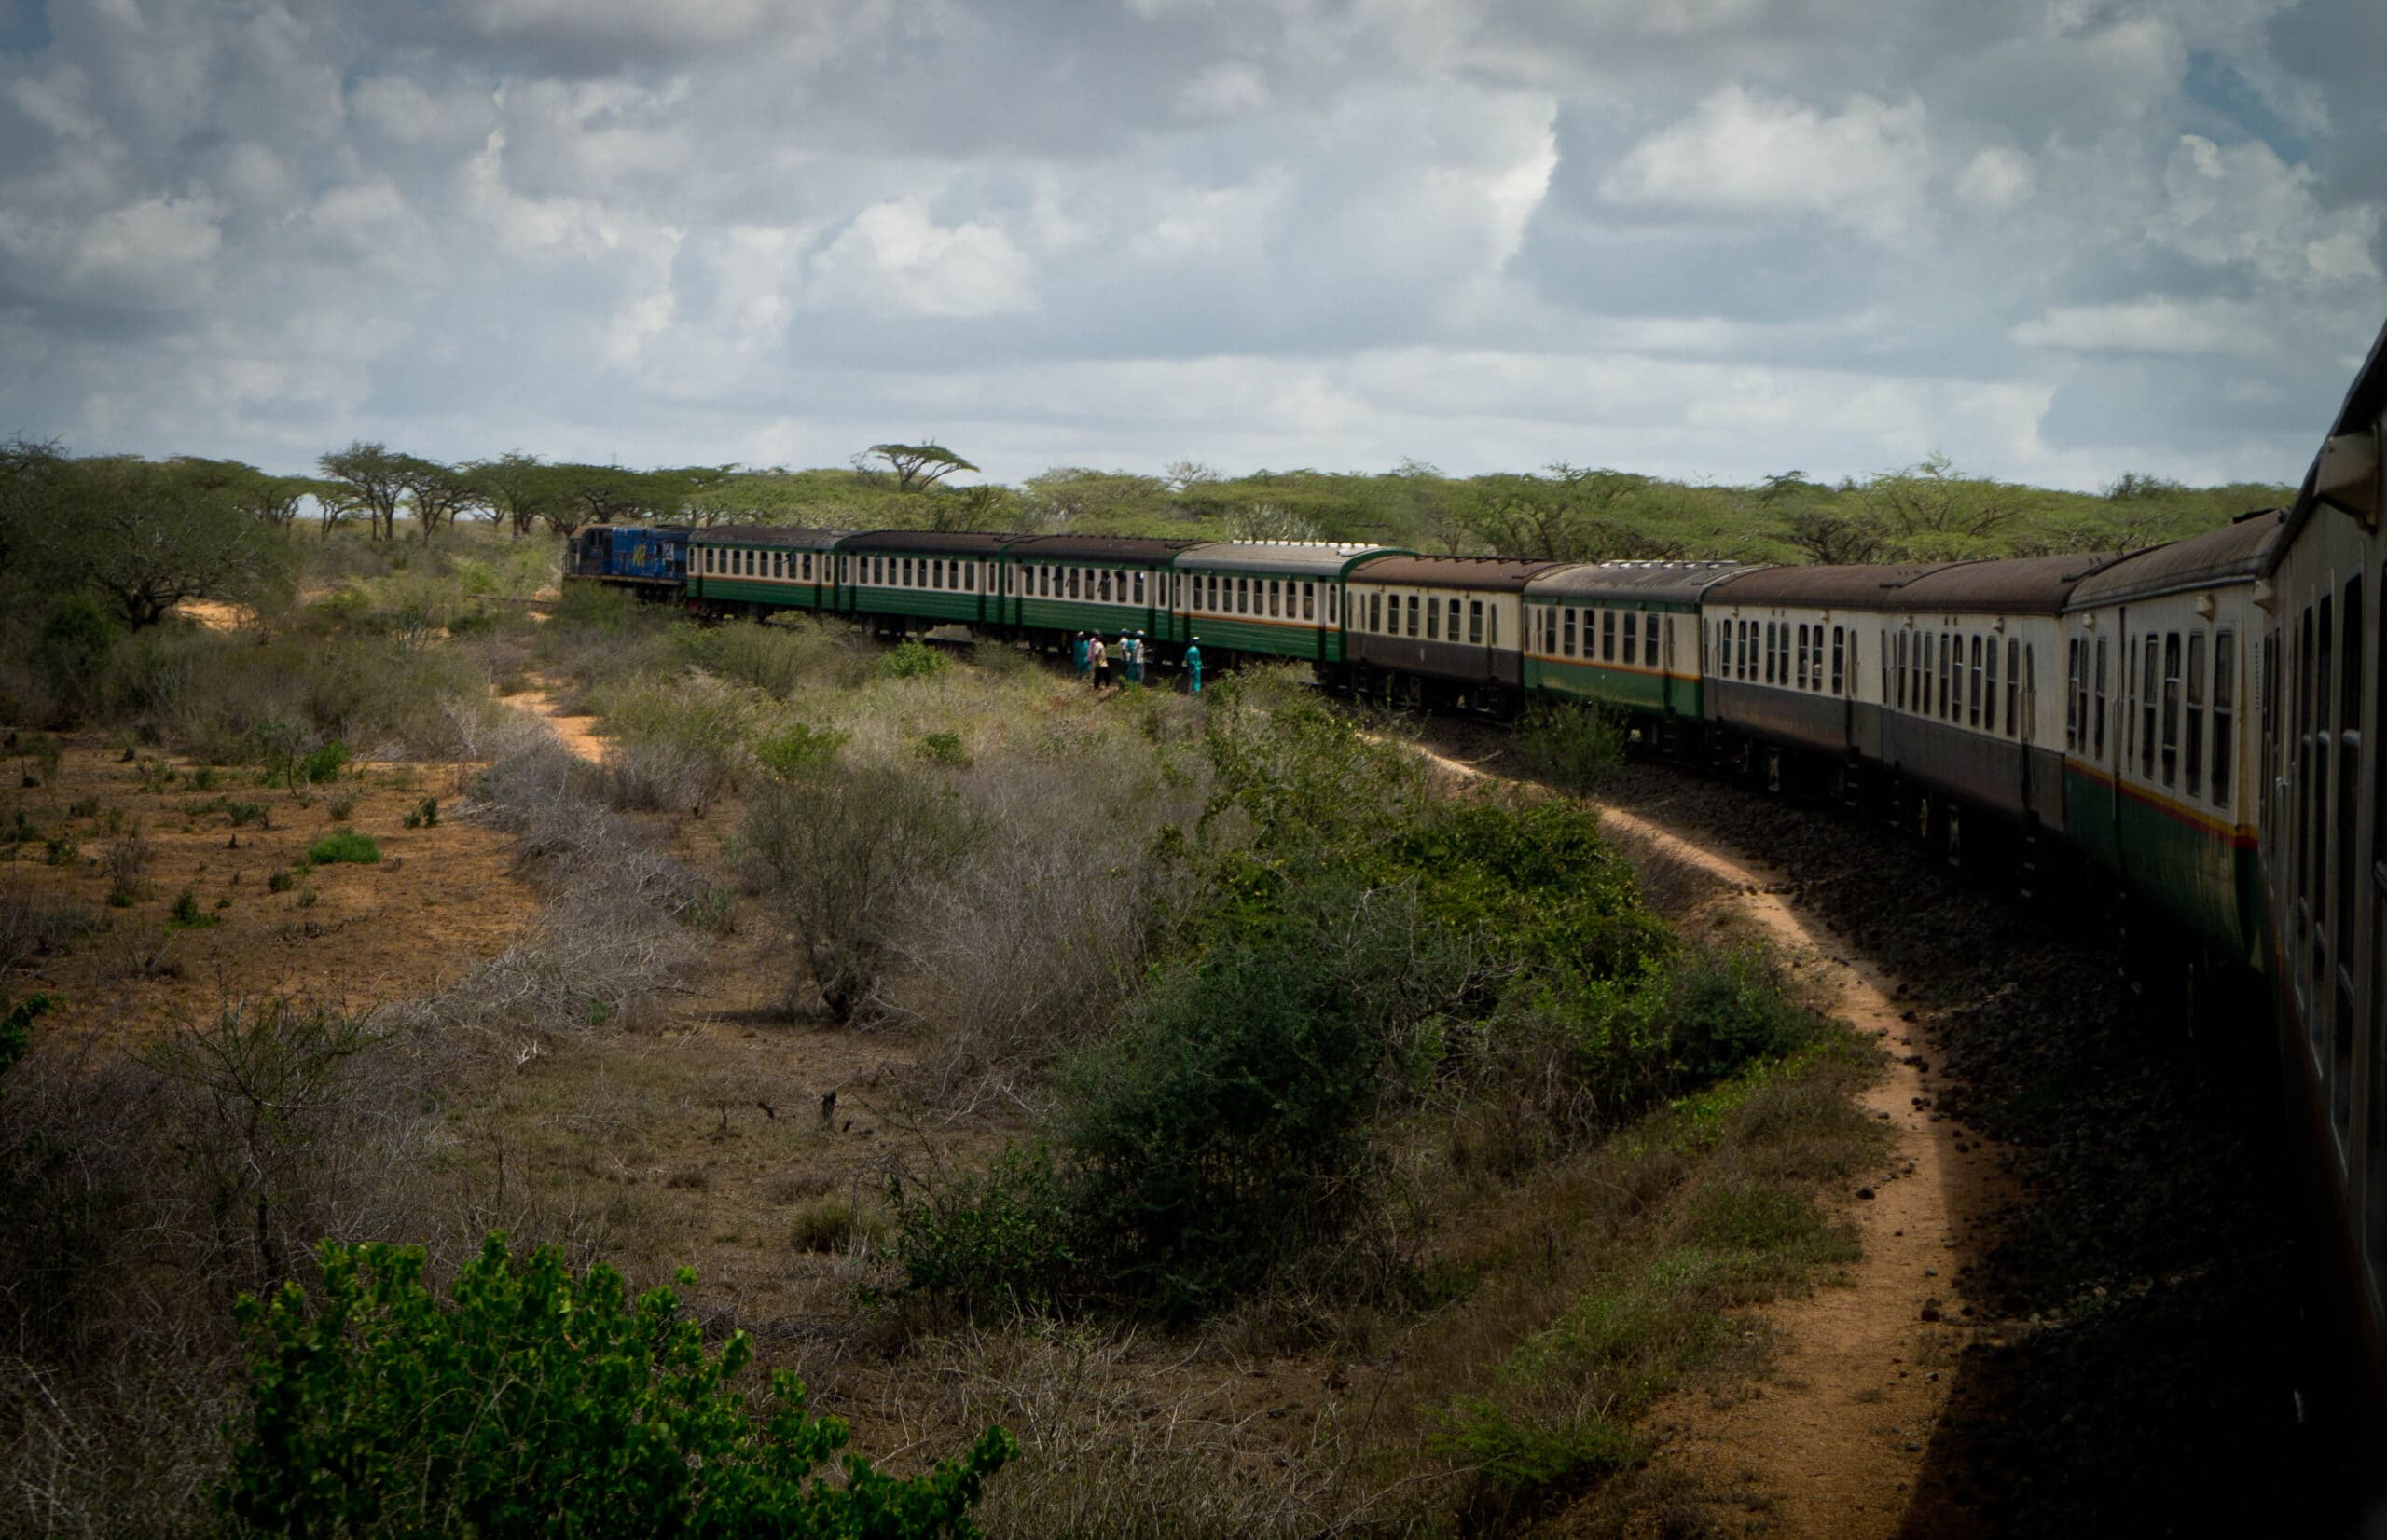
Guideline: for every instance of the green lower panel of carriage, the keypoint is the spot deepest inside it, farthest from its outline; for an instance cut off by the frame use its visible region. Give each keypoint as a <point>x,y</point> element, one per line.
<point>758,593</point>
<point>1229,633</point>
<point>2205,876</point>
<point>935,606</point>
<point>1624,689</point>
<point>1075,615</point>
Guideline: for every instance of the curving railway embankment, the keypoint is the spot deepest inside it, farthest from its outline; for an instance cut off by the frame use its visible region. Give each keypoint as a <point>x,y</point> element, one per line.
<point>2138,1360</point>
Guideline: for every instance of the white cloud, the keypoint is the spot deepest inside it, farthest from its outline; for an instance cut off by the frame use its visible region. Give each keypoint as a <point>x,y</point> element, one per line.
<point>1227,89</point>
<point>1744,152</point>
<point>155,254</point>
<point>2152,326</point>
<point>894,259</point>
<point>1994,179</point>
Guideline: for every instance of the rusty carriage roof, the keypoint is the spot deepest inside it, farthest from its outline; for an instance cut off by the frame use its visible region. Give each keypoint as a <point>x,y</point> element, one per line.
<point>1483,574</point>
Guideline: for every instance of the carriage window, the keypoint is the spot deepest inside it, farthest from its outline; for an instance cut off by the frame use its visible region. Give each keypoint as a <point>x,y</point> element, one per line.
<point>1492,628</point>
<point>2030,684</point>
<point>1475,621</point>
<point>1140,587</point>
<point>2148,692</point>
<point>1972,697</point>
<point>2195,738</point>
<point>1567,644</point>
<point>2075,695</point>
<point>2170,707</point>
<point>1433,621</point>
<point>1839,658</point>
<point>1451,631</point>
<point>2349,797</point>
<point>1413,613</point>
<point>1902,672</point>
<point>1608,637</point>
<point>1309,601</point>
<point>2097,709</point>
<point>1988,688</point>
<point>1632,636</point>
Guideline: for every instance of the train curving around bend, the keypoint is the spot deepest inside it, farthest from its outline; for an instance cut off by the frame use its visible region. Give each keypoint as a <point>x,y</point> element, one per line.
<point>2187,724</point>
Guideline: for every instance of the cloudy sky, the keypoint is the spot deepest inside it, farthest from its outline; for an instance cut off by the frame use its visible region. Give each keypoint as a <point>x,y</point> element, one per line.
<point>1709,239</point>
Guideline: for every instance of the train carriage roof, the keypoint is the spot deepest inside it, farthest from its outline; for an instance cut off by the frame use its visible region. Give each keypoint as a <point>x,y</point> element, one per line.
<point>933,542</point>
<point>769,535</point>
<point>2232,554</point>
<point>1484,575</point>
<point>1635,582</point>
<point>1852,587</point>
<point>1138,549</point>
<point>2018,585</point>
<point>1315,559</point>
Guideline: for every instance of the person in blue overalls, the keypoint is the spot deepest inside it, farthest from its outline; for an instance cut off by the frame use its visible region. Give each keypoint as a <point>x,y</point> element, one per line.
<point>1078,654</point>
<point>1143,660</point>
<point>1193,664</point>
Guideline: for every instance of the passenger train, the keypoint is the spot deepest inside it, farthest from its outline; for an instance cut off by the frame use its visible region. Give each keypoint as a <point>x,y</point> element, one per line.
<point>2188,722</point>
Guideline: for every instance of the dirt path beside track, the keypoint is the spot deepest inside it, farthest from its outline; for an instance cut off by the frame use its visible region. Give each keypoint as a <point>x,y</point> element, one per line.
<point>1830,1445</point>
<point>578,733</point>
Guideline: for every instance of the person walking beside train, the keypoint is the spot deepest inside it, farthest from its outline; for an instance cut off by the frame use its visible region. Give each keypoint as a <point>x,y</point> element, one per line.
<point>1144,661</point>
<point>1078,654</point>
<point>1193,664</point>
<point>1100,660</point>
<point>1125,659</point>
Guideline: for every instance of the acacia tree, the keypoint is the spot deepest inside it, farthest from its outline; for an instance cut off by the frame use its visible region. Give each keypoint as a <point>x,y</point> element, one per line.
<point>148,536</point>
<point>373,482</point>
<point>516,489</point>
<point>436,493</point>
<point>917,467</point>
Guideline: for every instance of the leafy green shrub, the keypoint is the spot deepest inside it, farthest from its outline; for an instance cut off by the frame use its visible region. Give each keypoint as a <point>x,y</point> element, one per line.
<point>1002,1240</point>
<point>945,750</point>
<point>280,881</point>
<point>344,845</point>
<point>185,912</point>
<point>1570,746</point>
<point>60,850</point>
<point>913,660</point>
<point>243,813</point>
<point>322,763</point>
<point>424,815</point>
<point>799,750</point>
<point>536,1403</point>
<point>1729,1009</point>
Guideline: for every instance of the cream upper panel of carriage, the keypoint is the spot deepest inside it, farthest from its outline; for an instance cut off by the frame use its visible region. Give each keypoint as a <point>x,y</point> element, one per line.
<point>2157,696</point>
<point>1629,637</point>
<point>1990,674</point>
<point>1310,601</point>
<point>761,565</point>
<point>1814,649</point>
<point>1469,617</point>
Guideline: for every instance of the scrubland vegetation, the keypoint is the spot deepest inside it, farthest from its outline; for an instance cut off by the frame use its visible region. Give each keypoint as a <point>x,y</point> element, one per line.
<point>1268,1135</point>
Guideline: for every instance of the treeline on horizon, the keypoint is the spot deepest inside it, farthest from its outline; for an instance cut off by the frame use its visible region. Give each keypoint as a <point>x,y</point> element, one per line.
<point>84,514</point>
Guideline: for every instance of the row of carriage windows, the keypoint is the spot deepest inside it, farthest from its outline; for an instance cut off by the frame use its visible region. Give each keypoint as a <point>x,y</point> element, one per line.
<point>1278,599</point>
<point>2313,736</point>
<point>932,573</point>
<point>2176,688</point>
<point>1094,584</point>
<point>1600,636</point>
<point>1432,617</point>
<point>1954,675</point>
<point>1793,654</point>
<point>723,561</point>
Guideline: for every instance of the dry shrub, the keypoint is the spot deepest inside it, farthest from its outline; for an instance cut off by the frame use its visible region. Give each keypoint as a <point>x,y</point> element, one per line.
<point>34,926</point>
<point>1116,1445</point>
<point>1038,939</point>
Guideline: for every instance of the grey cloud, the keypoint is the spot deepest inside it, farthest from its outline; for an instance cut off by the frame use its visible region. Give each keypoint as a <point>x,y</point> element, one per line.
<point>1313,233</point>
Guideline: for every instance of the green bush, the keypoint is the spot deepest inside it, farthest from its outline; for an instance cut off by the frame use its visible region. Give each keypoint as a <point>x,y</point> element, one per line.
<point>1002,1240</point>
<point>344,845</point>
<point>913,660</point>
<point>536,1403</point>
<point>322,763</point>
<point>17,1030</point>
<point>945,750</point>
<point>798,750</point>
<point>1571,748</point>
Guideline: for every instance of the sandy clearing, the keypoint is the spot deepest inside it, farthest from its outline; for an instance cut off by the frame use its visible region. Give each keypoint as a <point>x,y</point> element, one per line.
<point>578,733</point>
